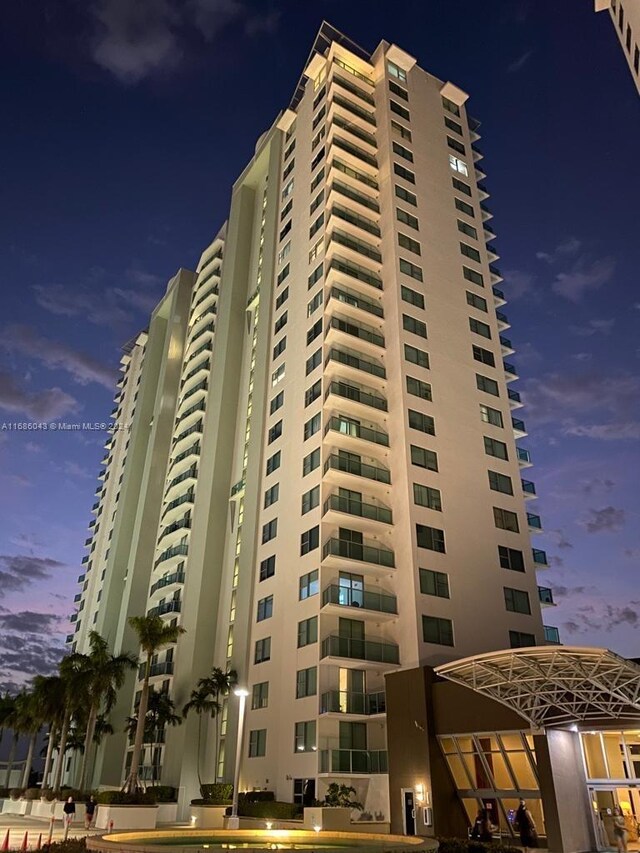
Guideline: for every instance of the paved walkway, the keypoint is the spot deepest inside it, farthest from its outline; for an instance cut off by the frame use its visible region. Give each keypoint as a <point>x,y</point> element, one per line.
<point>18,825</point>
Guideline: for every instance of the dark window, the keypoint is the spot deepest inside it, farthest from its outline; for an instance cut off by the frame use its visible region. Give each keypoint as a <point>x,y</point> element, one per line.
<point>408,268</point>
<point>309,540</point>
<point>398,90</point>
<point>477,301</point>
<point>511,558</point>
<point>273,462</point>
<point>267,568</point>
<point>491,416</point>
<point>411,296</point>
<point>419,388</point>
<point>311,461</point>
<point>282,298</point>
<point>422,422</point>
<point>265,609</point>
<point>413,325</point>
<point>434,583</point>
<point>313,393</point>
<point>461,186</point>
<point>314,331</point>
<point>464,207</point>
<point>506,520</point>
<point>263,650</point>
<point>407,218</point>
<point>472,275</point>
<point>271,495</point>
<point>407,196</point>
<point>408,243</point>
<point>470,252</point>
<point>401,151</point>
<point>312,363</point>
<point>455,145</point>
<point>280,322</point>
<point>521,640</point>
<point>399,110</point>
<point>484,355</point>
<point>260,695</point>
<point>277,401</point>
<point>275,432</point>
<point>312,426</point>
<point>493,447</point>
<point>306,682</point>
<point>310,499</point>
<point>427,496</point>
<point>489,386</point>
<point>309,585</point>
<point>269,530</point>
<point>406,174</point>
<point>500,483</point>
<point>430,538</point>
<point>424,458</point>
<point>516,600</point>
<point>467,229</point>
<point>416,356</point>
<point>453,125</point>
<point>437,630</point>
<point>257,743</point>
<point>307,632</point>
<point>280,347</point>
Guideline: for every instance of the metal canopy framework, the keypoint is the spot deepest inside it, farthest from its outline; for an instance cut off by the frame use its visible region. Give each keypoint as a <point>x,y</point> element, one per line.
<point>554,686</point>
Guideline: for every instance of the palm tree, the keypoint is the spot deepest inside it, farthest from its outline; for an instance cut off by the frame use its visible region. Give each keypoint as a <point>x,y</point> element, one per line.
<point>202,703</point>
<point>27,721</point>
<point>105,676</point>
<point>7,708</point>
<point>160,714</point>
<point>219,684</point>
<point>49,696</point>
<point>153,634</point>
<point>73,673</point>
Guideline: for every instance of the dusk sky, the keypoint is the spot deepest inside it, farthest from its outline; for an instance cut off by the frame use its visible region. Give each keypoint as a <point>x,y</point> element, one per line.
<point>124,125</point>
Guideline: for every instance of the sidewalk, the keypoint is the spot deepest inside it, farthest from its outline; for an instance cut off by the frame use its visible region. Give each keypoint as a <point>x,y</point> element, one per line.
<point>18,825</point>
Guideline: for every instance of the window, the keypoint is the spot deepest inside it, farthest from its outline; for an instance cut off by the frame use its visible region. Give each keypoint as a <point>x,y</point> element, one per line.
<point>437,630</point>
<point>410,269</point>
<point>401,151</point>
<point>317,159</point>
<point>276,403</point>
<point>491,416</point>
<point>467,229</point>
<point>317,179</point>
<point>314,392</point>
<point>315,204</point>
<point>260,695</point>
<point>306,682</point>
<point>413,325</point>
<point>257,743</point>
<point>263,650</point>
<point>288,169</point>
<point>425,423</point>
<point>404,132</point>
<point>265,609</point>
<point>636,59</point>
<point>463,207</point>
<point>424,458</point>
<point>269,530</point>
<point>280,347</point>
<point>309,540</point>
<point>517,600</point>
<point>456,145</point>
<point>459,166</point>
<point>286,210</point>
<point>434,583</point>
<point>484,356</point>
<point>282,254</point>
<point>315,250</point>
<point>430,538</point>
<point>312,363</point>
<point>405,195</point>
<point>314,331</point>
<point>453,125</point>
<point>472,275</point>
<point>316,275</point>
<point>419,388</point>
<point>289,151</point>
<point>521,640</point>
<point>277,375</point>
<point>286,228</point>
<point>398,91</point>
<point>288,189</point>
<point>450,106</point>
<point>470,252</point>
<point>411,296</point>
<point>317,139</point>
<point>314,303</point>
<point>481,304</point>
<point>273,462</point>
<point>500,483</point>
<point>310,499</point>
<point>275,432</point>
<point>406,174</point>
<point>398,73</point>
<point>309,585</point>
<point>307,632</point>
<point>426,496</point>
<point>493,447</point>
<point>510,558</point>
<point>305,737</point>
<point>416,356</point>
<point>310,462</point>
<point>408,243</point>
<point>267,568</point>
<point>312,426</point>
<point>284,272</point>
<point>280,323</point>
<point>407,218</point>
<point>271,495</point>
<point>399,110</point>
<point>317,225</point>
<point>489,386</point>
<point>506,520</point>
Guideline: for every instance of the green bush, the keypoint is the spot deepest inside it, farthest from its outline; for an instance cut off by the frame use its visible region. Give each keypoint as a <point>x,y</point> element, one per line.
<point>163,793</point>
<point>340,796</point>
<point>256,796</point>
<point>273,810</point>
<point>217,793</point>
<point>16,793</point>
<point>122,798</point>
<point>463,845</point>
<point>71,845</point>
<point>32,794</point>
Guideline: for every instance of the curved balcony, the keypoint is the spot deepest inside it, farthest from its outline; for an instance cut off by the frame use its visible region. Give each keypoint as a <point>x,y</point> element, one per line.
<point>185,419</point>
<point>185,455</point>
<point>195,429</point>
<point>336,551</point>
<point>180,550</point>
<point>173,508</point>
<point>368,602</point>
<point>197,337</point>
<point>371,651</point>
<point>358,509</point>
<point>180,524</point>
<point>168,581</point>
<point>200,369</point>
<point>207,346</point>
<point>351,435</point>
<point>351,702</point>
<point>204,300</point>
<point>190,474</point>
<point>188,397</point>
<point>168,607</point>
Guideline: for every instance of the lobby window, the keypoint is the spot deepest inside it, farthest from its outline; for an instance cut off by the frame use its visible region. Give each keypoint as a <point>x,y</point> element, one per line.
<point>438,631</point>
<point>306,682</point>
<point>506,520</point>
<point>401,151</point>
<point>273,462</point>
<point>485,356</point>
<point>276,403</point>
<point>260,695</point>
<point>489,415</point>
<point>424,458</point>
<point>459,166</point>
<point>408,243</point>
<point>265,609</point>
<point>309,585</point>
<point>419,388</point>
<point>476,301</point>
<point>470,252</point>
<point>500,483</point>
<point>407,218</point>
<point>430,538</point>
<point>407,268</point>
<point>275,432</point>
<point>312,362</point>
<point>411,296</point>
<point>460,185</point>
<point>267,568</point>
<point>422,422</point>
<point>489,386</point>
<point>413,325</point>
<point>257,743</point>
<point>434,583</point>
<point>511,558</point>
<point>407,196</point>
<point>399,110</point>
<point>262,650</point>
<point>305,737</point>
<point>312,426</point>
<point>517,600</point>
<point>463,207</point>
<point>521,640</point>
<point>310,462</point>
<point>427,496</point>
<point>493,447</point>
<point>269,530</point>
<point>310,499</point>
<point>416,356</point>
<point>271,495</point>
<point>405,174</point>
<point>397,72</point>
<point>467,229</point>
<point>309,540</point>
<point>307,632</point>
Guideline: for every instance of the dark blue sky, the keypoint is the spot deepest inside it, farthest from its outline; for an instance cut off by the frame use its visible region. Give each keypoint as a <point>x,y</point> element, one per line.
<point>123,127</point>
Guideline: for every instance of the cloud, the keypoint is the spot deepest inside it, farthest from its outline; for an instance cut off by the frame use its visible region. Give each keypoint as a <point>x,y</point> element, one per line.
<point>29,621</point>
<point>559,396</point>
<point>56,355</point>
<point>520,62</point>
<point>603,617</point>
<point>20,571</point>
<point>560,539</point>
<point>584,276</point>
<point>42,405</point>
<point>621,431</point>
<point>588,487</point>
<point>608,520</point>
<point>518,283</point>
<point>72,469</point>
<point>568,247</point>
<point>593,327</point>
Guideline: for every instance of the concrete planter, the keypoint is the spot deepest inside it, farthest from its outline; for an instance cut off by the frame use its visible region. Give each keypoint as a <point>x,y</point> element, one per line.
<point>20,807</point>
<point>167,813</point>
<point>332,819</point>
<point>42,809</point>
<point>126,817</point>
<point>208,817</point>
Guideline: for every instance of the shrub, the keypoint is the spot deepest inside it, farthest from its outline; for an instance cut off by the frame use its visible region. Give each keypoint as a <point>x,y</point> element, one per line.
<point>217,793</point>
<point>257,796</point>
<point>32,794</point>
<point>463,845</point>
<point>71,845</point>
<point>16,793</point>
<point>339,796</point>
<point>122,798</point>
<point>273,810</point>
<point>163,793</point>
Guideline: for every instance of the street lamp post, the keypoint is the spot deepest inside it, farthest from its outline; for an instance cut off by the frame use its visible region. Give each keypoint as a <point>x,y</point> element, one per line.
<point>234,821</point>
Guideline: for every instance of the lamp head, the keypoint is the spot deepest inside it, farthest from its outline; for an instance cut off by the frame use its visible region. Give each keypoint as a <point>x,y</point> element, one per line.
<point>241,691</point>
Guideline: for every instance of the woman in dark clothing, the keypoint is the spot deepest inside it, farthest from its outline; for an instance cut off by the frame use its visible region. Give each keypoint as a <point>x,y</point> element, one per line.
<point>482,827</point>
<point>526,826</point>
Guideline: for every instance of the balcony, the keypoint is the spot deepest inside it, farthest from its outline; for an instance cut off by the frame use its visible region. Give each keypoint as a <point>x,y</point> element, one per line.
<point>515,401</point>
<point>180,550</point>
<point>519,428</point>
<point>367,599</point>
<point>355,245</point>
<point>551,635</point>
<point>81,578</point>
<point>529,489</point>
<point>372,651</point>
<point>354,174</point>
<point>506,345</point>
<point>355,271</point>
<point>340,365</point>
<point>365,117</point>
<point>347,465</point>
<point>485,210</point>
<point>182,524</point>
<point>539,557</point>
<point>503,321</point>
<point>534,521</point>
<point>77,597</point>
<point>194,450</point>
<point>496,275</point>
<point>345,124</point>
<point>498,296</point>
<point>339,80</point>
<point>357,431</point>
<point>361,222</point>
<point>350,702</point>
<point>69,638</point>
<point>238,487</point>
<point>188,497</point>
<point>348,550</point>
<point>355,300</point>
<point>372,512</point>
<point>545,595</point>
<point>343,190</point>
<point>357,395</point>
<point>524,457</point>
<point>85,559</point>
<point>190,474</point>
<point>362,333</point>
<point>88,541</point>
<point>172,606</point>
<point>511,372</point>
<point>365,761</point>
<point>196,428</point>
<point>164,668</point>
<point>169,580</point>
<point>353,150</point>
<point>200,406</point>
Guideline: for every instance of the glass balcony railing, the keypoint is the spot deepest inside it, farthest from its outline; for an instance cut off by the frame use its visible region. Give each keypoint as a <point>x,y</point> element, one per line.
<point>354,150</point>
<point>365,179</point>
<point>381,602</point>
<point>539,557</point>
<point>375,651</point>
<point>357,331</point>
<point>163,668</point>
<point>357,301</point>
<point>188,497</point>
<point>182,524</point>
<point>551,635</point>
<point>356,430</point>
<point>358,246</point>
<point>357,395</point>
<point>534,521</point>
<point>514,395</point>
<point>346,104</point>
<point>505,342</point>
<point>518,424</point>
<point>341,503</point>
<point>172,606</point>
<point>523,455</point>
<point>359,469</point>
<point>509,368</point>
<point>350,702</point>
<point>191,472</point>
<point>353,761</point>
<point>200,406</point>
<point>485,208</point>
<point>361,198</point>
<point>349,550</point>
<point>175,577</point>
<point>498,293</point>
<point>494,270</point>
<point>545,594</point>
<point>358,132</point>
<point>356,271</point>
<point>355,90</point>
<point>180,550</point>
<point>528,487</point>
<point>355,219</point>
<point>502,317</point>
<point>350,360</point>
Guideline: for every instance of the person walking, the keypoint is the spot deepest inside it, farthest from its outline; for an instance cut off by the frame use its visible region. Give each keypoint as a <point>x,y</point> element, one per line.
<point>69,812</point>
<point>482,827</point>
<point>620,830</point>
<point>525,825</point>
<point>89,812</point>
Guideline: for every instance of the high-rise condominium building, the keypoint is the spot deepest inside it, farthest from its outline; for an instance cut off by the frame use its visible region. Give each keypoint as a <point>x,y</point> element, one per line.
<point>625,16</point>
<point>322,482</point>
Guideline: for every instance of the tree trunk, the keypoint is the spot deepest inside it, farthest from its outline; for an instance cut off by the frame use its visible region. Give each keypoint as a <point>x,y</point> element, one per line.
<point>200,753</point>
<point>88,738</point>
<point>132,783</point>
<point>29,759</point>
<point>49,756</point>
<point>11,759</point>
<point>57,779</point>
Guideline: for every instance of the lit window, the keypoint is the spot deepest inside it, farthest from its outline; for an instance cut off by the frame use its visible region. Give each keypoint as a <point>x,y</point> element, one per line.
<point>397,72</point>
<point>458,165</point>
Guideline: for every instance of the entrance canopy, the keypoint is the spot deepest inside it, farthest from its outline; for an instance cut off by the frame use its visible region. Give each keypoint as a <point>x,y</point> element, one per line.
<point>554,685</point>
